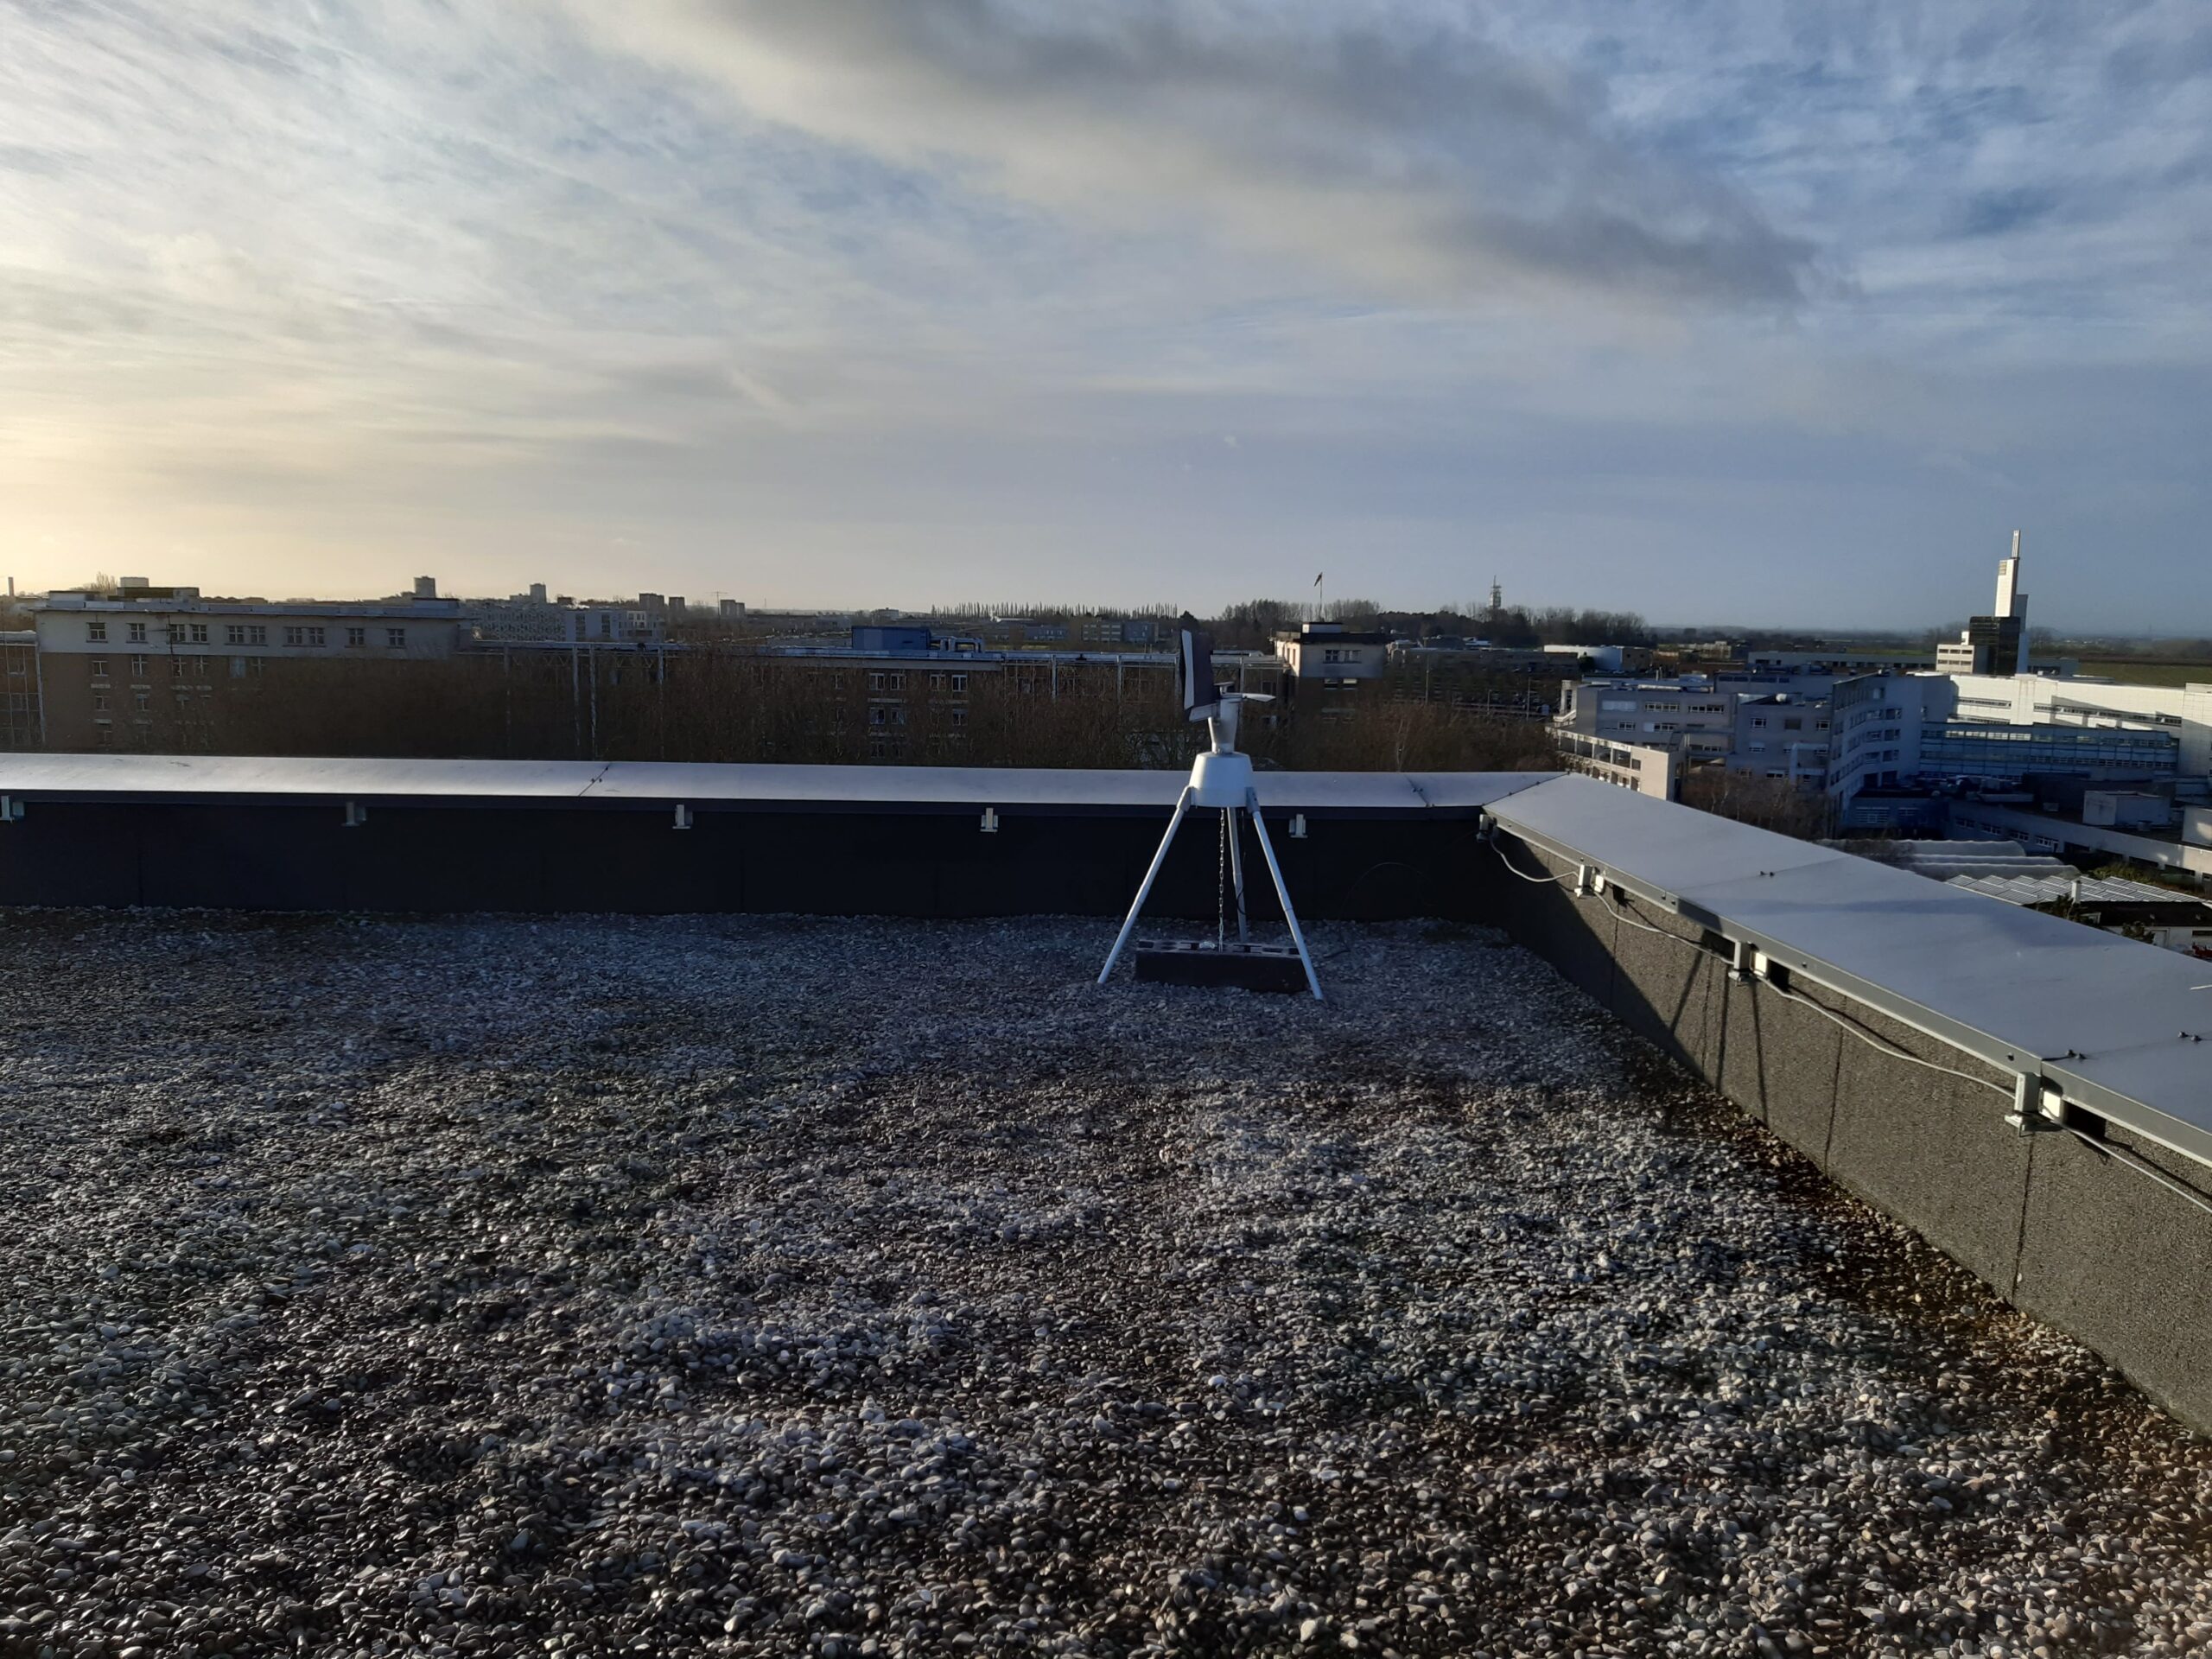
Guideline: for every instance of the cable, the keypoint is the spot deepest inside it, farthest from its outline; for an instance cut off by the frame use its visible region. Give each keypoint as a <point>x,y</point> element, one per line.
<point>1541,881</point>
<point>1884,1044</point>
<point>1866,1037</point>
<point>1621,915</point>
<point>2151,1171</point>
<point>2142,1168</point>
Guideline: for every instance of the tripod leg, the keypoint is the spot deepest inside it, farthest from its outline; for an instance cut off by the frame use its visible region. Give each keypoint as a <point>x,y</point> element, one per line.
<point>1236,871</point>
<point>1267,847</point>
<point>1159,858</point>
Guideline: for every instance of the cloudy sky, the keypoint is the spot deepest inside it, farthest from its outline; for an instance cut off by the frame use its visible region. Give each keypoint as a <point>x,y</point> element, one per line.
<point>1769,312</point>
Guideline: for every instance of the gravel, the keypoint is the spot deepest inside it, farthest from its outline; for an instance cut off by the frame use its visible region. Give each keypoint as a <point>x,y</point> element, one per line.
<point>848,1287</point>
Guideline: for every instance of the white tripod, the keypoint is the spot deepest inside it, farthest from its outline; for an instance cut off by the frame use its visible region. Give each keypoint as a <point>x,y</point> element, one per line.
<point>1221,778</point>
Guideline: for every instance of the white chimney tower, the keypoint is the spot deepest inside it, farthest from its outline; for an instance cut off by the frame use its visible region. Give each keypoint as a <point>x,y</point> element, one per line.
<point>2008,580</point>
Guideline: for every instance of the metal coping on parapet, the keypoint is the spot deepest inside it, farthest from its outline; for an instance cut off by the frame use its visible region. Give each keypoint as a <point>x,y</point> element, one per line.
<point>2042,1090</point>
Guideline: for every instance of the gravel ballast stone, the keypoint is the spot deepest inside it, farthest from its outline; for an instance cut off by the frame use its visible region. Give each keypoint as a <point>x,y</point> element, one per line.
<point>768,1286</point>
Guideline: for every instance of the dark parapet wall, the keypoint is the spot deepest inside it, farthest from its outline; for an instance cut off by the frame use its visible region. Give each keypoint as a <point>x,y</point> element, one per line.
<point>303,855</point>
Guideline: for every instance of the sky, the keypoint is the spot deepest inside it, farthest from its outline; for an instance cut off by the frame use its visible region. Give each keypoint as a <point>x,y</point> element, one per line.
<point>1774,314</point>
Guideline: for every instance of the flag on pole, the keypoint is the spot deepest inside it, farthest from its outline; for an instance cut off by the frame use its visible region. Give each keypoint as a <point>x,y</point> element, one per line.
<point>1317,581</point>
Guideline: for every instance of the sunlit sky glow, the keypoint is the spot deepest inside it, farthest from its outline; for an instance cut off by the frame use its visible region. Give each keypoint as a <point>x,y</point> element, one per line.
<point>1751,312</point>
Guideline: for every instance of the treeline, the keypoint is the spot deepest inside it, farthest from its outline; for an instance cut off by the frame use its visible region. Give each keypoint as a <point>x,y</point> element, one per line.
<point>733,707</point>
<point>1255,622</point>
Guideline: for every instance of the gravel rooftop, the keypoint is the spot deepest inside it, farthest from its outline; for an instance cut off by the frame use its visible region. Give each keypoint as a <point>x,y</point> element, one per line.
<point>804,1287</point>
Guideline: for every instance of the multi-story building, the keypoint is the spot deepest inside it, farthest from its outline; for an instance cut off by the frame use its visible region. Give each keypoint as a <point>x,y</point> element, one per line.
<point>1602,659</point>
<point>1782,734</point>
<point>532,618</point>
<point>1894,731</point>
<point>1638,766</point>
<point>140,667</point>
<point>2040,700</point>
<point>23,723</point>
<point>1488,680</point>
<point>918,685</point>
<point>1326,664</point>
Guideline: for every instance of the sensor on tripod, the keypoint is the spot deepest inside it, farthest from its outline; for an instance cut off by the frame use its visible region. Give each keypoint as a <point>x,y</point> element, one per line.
<point>1221,778</point>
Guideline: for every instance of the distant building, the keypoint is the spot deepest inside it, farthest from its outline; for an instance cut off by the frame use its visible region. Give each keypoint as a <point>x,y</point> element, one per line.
<point>1632,765</point>
<point>1997,644</point>
<point>1831,663</point>
<point>1782,734</point>
<point>1326,664</point>
<point>1900,731</point>
<point>139,666</point>
<point>1606,659</point>
<point>530,620</point>
<point>23,724</point>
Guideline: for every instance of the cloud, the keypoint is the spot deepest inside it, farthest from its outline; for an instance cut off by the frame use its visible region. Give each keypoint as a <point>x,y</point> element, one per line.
<point>1413,156</point>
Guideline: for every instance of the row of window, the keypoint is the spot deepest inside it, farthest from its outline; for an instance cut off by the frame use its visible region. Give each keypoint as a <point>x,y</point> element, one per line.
<point>247,633</point>
<point>895,680</point>
<point>891,713</point>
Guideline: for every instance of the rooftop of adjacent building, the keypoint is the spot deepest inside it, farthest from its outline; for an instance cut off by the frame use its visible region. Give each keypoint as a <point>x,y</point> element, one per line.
<point>2069,885</point>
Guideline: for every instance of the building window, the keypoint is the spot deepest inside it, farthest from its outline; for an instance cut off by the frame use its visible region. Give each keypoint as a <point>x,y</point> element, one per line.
<point>137,668</point>
<point>100,668</point>
<point>357,636</point>
<point>1758,723</point>
<point>200,633</point>
<point>96,632</point>
<point>1332,656</point>
<point>240,633</point>
<point>137,633</point>
<point>396,638</point>
<point>142,700</point>
<point>106,732</point>
<point>898,682</point>
<point>960,682</point>
<point>960,716</point>
<point>99,702</point>
<point>304,636</point>
<point>875,681</point>
<point>177,666</point>
<point>936,681</point>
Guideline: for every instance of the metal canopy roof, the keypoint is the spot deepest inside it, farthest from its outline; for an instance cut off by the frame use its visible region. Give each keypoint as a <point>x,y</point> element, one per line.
<point>2008,984</point>
<point>2081,889</point>
<point>212,779</point>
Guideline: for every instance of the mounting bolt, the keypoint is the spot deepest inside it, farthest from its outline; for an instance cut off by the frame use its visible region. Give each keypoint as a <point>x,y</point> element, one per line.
<point>990,821</point>
<point>683,817</point>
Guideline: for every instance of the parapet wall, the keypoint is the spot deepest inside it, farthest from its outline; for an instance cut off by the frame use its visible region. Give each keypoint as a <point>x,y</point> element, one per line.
<point>2096,1230</point>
